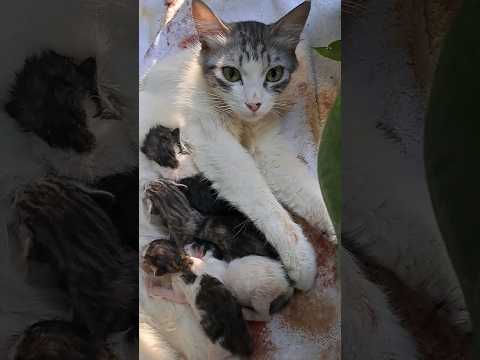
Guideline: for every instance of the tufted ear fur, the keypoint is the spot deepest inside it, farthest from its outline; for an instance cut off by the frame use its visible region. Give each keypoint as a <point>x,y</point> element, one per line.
<point>290,27</point>
<point>211,30</point>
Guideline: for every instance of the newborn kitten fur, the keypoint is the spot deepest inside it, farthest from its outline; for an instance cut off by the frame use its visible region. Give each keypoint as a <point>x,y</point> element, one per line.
<point>67,114</point>
<point>212,303</point>
<point>238,85</point>
<point>63,113</point>
<point>61,219</point>
<point>233,234</point>
<point>163,257</point>
<point>66,118</point>
<point>258,283</point>
<point>47,99</point>
<point>192,210</point>
<point>59,340</point>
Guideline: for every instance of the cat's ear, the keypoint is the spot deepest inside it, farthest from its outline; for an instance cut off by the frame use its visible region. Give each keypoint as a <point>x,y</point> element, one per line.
<point>211,30</point>
<point>88,67</point>
<point>290,27</point>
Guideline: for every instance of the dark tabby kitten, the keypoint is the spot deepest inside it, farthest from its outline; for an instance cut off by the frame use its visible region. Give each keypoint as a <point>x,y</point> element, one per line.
<point>48,96</point>
<point>59,340</point>
<point>62,220</point>
<point>193,210</point>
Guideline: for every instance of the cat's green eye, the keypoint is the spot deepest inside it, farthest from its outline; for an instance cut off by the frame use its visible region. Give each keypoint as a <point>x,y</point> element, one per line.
<point>275,74</point>
<point>231,74</point>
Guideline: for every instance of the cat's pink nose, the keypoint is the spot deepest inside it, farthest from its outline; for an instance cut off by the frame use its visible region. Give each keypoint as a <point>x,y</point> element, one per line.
<point>253,106</point>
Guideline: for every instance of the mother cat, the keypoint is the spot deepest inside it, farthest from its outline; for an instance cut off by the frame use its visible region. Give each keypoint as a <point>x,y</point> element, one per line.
<point>231,98</point>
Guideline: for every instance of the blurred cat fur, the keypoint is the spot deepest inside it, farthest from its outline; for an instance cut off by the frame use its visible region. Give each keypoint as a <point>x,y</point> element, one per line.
<point>76,32</point>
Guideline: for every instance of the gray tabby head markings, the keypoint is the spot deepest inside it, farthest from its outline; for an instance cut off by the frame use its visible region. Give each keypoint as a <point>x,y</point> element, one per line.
<point>248,64</point>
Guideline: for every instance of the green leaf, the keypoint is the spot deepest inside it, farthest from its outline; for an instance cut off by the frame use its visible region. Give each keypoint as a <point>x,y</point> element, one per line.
<point>329,164</point>
<point>332,51</point>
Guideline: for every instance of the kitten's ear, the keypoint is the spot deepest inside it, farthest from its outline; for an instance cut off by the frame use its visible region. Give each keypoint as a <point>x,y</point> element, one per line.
<point>290,27</point>
<point>211,30</point>
<point>88,67</point>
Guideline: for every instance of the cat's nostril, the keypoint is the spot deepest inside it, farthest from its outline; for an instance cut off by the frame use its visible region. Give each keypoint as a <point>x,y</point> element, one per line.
<point>253,106</point>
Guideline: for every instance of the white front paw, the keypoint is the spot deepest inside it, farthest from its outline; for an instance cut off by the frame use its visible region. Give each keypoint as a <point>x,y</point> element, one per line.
<point>332,237</point>
<point>301,264</point>
<point>327,230</point>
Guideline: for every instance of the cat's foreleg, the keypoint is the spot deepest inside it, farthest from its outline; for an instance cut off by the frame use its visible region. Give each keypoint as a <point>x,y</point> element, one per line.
<point>292,183</point>
<point>235,176</point>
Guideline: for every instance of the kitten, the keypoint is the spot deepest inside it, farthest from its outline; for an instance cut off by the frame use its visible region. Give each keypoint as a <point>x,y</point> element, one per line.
<point>67,114</point>
<point>234,235</point>
<point>213,304</point>
<point>65,120</point>
<point>62,220</point>
<point>47,100</point>
<point>192,210</point>
<point>238,86</point>
<point>258,283</point>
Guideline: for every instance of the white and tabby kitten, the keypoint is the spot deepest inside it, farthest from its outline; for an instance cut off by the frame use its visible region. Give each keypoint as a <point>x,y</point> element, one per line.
<point>230,101</point>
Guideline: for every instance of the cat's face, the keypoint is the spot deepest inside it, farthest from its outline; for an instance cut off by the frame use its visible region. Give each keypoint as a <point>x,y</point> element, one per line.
<point>49,99</point>
<point>249,64</point>
<point>250,71</point>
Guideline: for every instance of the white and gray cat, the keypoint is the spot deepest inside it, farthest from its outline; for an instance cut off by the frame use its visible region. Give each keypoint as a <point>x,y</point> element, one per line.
<point>230,100</point>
